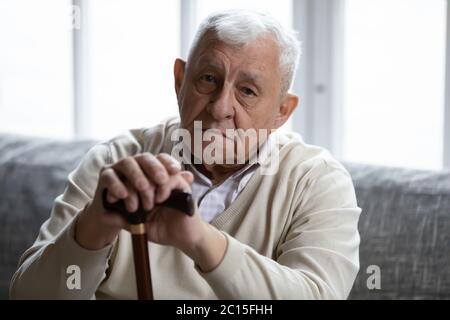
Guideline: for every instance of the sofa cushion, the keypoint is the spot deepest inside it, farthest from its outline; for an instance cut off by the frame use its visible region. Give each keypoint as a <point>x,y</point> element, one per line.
<point>405,231</point>
<point>404,225</point>
<point>32,173</point>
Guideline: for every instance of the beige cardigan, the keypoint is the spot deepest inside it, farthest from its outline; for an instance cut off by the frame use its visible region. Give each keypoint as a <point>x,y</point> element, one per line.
<point>291,235</point>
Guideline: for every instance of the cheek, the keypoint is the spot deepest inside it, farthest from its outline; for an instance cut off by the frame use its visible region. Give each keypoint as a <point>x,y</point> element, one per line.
<point>258,116</point>
<point>243,119</point>
<point>192,105</point>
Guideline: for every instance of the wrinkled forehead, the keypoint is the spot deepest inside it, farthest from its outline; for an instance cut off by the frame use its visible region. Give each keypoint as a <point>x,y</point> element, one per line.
<point>256,57</point>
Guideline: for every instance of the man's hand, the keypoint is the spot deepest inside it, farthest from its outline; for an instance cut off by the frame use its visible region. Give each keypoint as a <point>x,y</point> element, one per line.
<point>203,243</point>
<point>152,178</point>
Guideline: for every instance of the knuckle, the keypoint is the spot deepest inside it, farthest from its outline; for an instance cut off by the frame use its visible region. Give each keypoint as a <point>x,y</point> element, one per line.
<point>167,158</point>
<point>141,156</point>
<point>147,156</point>
<point>126,162</point>
<point>164,160</point>
<point>103,168</point>
<point>151,188</point>
<point>106,175</point>
<point>162,156</point>
<point>149,161</point>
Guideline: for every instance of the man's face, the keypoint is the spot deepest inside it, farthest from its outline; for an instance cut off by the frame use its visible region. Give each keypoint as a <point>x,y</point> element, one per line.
<point>227,87</point>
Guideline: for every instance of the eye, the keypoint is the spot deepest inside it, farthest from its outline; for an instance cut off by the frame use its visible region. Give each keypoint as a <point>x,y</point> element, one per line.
<point>209,78</point>
<point>207,83</point>
<point>248,92</point>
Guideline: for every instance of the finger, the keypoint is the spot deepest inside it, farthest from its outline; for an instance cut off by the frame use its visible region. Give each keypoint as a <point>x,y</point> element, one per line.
<point>148,197</point>
<point>114,219</point>
<point>171,164</point>
<point>153,168</point>
<point>132,201</point>
<point>133,173</point>
<point>188,176</point>
<point>110,198</point>
<point>110,181</point>
<point>109,217</point>
<point>175,182</point>
<point>139,180</point>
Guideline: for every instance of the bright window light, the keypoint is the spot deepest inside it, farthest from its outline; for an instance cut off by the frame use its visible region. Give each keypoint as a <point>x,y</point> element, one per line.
<point>394,82</point>
<point>36,68</point>
<point>132,48</point>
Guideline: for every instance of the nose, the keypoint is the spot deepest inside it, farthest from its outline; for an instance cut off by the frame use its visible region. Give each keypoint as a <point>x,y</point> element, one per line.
<point>221,105</point>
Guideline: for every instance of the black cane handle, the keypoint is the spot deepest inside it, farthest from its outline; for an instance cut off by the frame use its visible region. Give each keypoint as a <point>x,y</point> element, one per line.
<point>178,200</point>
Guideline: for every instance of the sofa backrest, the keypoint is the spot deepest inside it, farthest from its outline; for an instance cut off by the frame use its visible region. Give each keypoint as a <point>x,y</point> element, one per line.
<point>32,173</point>
<point>404,225</point>
<point>405,233</point>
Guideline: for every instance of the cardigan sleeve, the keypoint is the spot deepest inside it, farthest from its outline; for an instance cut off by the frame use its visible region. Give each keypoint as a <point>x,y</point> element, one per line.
<point>45,268</point>
<point>318,259</point>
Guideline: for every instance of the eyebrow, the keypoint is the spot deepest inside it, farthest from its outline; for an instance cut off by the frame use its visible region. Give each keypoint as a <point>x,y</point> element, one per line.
<point>244,75</point>
<point>249,76</point>
<point>210,61</point>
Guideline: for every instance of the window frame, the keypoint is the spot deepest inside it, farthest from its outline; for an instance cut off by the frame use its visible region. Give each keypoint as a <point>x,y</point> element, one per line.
<point>319,117</point>
<point>81,99</point>
<point>446,163</point>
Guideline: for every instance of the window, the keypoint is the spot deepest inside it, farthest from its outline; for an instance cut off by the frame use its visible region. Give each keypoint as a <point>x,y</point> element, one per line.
<point>36,67</point>
<point>132,48</point>
<point>371,78</point>
<point>393,80</point>
<point>281,9</point>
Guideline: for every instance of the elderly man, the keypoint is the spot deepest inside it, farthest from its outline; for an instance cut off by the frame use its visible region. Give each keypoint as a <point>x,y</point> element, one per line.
<point>289,233</point>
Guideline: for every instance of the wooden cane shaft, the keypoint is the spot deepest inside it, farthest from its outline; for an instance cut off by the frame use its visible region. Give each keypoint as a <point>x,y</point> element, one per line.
<point>178,200</point>
<point>142,267</point>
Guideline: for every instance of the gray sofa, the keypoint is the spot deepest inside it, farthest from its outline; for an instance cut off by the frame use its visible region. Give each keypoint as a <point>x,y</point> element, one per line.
<point>404,227</point>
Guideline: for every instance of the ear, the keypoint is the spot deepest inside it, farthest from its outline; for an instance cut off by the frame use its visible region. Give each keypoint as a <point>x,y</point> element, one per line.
<point>287,106</point>
<point>178,72</point>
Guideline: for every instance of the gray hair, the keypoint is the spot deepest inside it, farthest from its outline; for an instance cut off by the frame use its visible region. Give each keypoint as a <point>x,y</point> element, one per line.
<point>239,27</point>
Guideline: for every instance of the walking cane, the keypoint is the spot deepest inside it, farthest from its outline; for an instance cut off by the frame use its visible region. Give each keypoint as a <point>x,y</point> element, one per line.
<point>178,200</point>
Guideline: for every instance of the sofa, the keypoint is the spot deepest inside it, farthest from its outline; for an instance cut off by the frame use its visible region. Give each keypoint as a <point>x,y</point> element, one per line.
<point>404,225</point>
